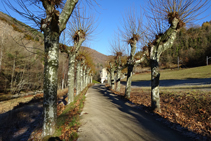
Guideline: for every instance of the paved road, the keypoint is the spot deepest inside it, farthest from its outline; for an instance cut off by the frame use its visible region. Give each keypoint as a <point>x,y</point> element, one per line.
<point>105,117</point>
<point>166,83</point>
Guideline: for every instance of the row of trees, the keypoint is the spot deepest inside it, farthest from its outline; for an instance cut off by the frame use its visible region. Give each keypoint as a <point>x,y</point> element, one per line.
<point>56,15</point>
<point>21,61</point>
<point>165,20</point>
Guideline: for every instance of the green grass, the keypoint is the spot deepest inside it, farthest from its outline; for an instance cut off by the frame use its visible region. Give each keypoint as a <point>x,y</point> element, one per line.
<point>191,73</point>
<point>94,81</point>
<point>68,119</point>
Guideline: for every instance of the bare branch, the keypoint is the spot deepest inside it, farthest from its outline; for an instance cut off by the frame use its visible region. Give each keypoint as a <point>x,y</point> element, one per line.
<point>186,11</point>
<point>81,21</point>
<point>132,26</point>
<point>117,46</point>
<point>66,13</point>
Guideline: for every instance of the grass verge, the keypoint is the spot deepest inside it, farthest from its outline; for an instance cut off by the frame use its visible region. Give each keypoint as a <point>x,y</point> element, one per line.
<point>190,73</point>
<point>67,121</point>
<point>94,81</point>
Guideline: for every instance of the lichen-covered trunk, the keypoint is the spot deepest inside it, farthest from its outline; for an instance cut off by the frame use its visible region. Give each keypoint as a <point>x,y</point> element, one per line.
<point>130,69</point>
<point>112,80</point>
<point>168,39</point>
<point>118,80</point>
<point>87,79</point>
<point>81,78</point>
<point>155,76</point>
<point>129,80</point>
<point>118,74</point>
<point>50,81</point>
<point>78,79</point>
<point>84,77</point>
<point>109,80</point>
<point>71,76</point>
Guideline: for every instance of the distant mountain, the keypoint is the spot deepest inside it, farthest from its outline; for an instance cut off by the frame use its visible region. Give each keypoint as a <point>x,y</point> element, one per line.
<point>98,58</point>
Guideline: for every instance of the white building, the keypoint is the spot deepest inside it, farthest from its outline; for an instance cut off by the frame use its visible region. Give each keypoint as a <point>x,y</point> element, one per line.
<point>103,75</point>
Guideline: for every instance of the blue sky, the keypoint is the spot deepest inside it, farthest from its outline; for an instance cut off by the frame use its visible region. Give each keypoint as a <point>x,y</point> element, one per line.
<point>109,13</point>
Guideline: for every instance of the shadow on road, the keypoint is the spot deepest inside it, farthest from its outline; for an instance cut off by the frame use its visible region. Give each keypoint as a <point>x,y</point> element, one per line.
<point>150,121</point>
<point>173,82</point>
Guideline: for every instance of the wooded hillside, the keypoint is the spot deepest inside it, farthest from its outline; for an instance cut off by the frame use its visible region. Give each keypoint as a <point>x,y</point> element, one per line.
<point>191,46</point>
<point>22,58</point>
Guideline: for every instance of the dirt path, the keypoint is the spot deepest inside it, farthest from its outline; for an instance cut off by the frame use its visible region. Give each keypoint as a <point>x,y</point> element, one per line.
<point>105,117</point>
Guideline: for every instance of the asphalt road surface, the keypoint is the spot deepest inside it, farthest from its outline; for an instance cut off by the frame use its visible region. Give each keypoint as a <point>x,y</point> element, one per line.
<point>168,83</point>
<point>106,117</point>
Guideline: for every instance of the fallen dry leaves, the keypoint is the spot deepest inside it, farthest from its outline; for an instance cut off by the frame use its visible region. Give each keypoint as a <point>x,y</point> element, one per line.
<point>192,110</point>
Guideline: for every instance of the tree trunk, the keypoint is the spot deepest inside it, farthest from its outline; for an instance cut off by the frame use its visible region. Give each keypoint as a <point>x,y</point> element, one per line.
<point>71,76</point>
<point>87,77</point>
<point>50,81</point>
<point>156,50</point>
<point>52,27</point>
<point>112,79</point>
<point>84,76</point>
<point>118,74</point>
<point>130,69</point>
<point>155,76</point>
<point>86,72</point>
<point>12,76</point>
<point>81,78</point>
<point>129,80</point>
<point>118,80</point>
<point>78,89</point>
<point>108,77</point>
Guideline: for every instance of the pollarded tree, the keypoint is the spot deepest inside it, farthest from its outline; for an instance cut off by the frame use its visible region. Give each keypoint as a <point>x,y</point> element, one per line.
<point>132,32</point>
<point>79,28</point>
<point>78,76</point>
<point>117,49</point>
<point>176,13</point>
<point>118,70</point>
<point>52,26</point>
<point>112,77</point>
<point>83,59</point>
<point>108,76</point>
<point>110,66</point>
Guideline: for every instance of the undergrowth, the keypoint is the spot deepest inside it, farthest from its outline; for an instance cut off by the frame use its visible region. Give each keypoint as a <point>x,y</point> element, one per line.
<point>67,120</point>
